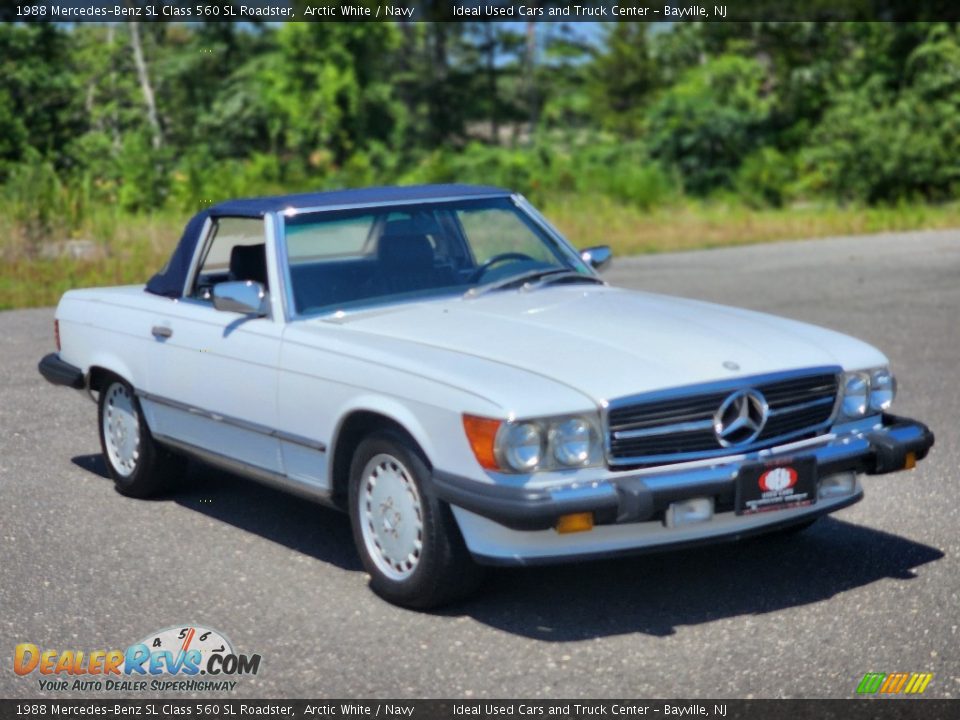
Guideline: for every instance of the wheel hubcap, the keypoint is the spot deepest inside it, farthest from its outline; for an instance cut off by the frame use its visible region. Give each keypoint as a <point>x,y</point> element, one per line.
<point>121,429</point>
<point>391,517</point>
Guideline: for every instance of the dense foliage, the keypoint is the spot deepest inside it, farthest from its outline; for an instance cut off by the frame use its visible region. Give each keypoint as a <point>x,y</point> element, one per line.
<point>175,116</point>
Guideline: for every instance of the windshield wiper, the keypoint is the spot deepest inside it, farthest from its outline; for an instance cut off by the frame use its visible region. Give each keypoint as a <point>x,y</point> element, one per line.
<point>527,278</point>
<point>563,276</point>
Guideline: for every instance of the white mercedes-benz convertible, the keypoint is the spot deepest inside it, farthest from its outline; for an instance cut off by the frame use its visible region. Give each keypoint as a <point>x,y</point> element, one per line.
<point>440,363</point>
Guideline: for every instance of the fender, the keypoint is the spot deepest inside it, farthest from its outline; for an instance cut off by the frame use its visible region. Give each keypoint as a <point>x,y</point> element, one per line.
<point>387,407</point>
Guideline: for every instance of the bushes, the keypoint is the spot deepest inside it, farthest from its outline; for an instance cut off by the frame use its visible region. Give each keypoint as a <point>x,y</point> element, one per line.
<point>766,177</point>
<point>37,202</point>
<point>709,121</point>
<point>597,165</point>
<point>881,145</point>
<point>144,174</point>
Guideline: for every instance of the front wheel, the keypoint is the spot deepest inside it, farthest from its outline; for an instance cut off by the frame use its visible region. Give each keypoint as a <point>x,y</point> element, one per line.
<point>408,540</point>
<point>138,466</point>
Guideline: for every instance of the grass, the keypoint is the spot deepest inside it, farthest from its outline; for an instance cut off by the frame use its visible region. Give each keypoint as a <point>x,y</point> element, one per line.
<point>129,249</point>
<point>693,226</point>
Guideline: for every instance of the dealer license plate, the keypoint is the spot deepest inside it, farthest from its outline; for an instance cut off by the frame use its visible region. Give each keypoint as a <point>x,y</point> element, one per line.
<point>766,487</point>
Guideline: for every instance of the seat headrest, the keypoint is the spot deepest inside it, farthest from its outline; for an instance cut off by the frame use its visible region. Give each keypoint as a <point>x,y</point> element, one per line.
<point>418,225</point>
<point>413,250</point>
<point>249,262</point>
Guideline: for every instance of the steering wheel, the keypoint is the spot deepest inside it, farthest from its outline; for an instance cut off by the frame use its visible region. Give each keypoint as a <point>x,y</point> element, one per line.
<point>496,259</point>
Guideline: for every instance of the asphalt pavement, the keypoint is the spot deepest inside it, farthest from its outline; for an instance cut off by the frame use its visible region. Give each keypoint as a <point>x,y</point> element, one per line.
<point>873,588</point>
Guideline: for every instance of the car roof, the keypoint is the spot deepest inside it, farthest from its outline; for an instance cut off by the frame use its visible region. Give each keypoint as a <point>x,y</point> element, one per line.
<point>259,206</point>
<point>170,281</point>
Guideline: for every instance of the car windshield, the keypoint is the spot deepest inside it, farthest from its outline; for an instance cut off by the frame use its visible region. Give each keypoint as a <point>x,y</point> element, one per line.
<point>343,260</point>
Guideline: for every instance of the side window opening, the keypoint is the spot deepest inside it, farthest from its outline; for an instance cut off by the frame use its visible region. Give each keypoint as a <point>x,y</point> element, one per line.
<point>235,250</point>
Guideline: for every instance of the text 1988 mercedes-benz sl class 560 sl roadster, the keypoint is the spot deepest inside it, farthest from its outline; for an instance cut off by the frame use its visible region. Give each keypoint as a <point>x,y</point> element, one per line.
<point>440,363</point>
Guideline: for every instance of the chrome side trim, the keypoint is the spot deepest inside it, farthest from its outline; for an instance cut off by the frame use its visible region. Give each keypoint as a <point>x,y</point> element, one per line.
<point>236,422</point>
<point>253,472</point>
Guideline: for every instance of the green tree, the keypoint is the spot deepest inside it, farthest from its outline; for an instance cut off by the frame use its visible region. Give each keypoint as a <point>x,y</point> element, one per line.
<point>623,77</point>
<point>877,144</point>
<point>709,121</point>
<point>39,95</point>
<point>327,88</point>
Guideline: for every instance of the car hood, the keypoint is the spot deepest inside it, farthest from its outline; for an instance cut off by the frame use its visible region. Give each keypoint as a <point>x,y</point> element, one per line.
<point>609,342</point>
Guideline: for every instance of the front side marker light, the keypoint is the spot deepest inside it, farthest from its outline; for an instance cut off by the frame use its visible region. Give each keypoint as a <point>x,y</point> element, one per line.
<point>482,436</point>
<point>575,522</point>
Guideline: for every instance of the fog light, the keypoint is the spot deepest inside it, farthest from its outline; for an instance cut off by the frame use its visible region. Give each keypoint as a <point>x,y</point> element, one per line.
<point>575,522</point>
<point>833,486</point>
<point>687,512</point>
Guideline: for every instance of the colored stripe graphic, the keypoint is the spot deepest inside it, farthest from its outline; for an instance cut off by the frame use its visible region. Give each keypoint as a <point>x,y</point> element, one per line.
<point>894,683</point>
<point>918,683</point>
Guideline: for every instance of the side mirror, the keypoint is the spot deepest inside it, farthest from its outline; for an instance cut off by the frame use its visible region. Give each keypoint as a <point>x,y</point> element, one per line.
<point>598,257</point>
<point>241,296</point>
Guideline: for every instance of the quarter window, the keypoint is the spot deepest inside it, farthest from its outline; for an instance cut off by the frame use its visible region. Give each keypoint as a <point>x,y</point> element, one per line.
<point>222,262</point>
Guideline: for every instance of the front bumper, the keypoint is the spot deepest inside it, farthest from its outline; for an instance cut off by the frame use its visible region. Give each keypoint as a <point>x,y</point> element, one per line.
<point>58,372</point>
<point>642,497</point>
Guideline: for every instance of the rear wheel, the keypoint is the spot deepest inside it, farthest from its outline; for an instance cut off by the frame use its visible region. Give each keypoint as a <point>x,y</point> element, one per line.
<point>408,540</point>
<point>138,466</point>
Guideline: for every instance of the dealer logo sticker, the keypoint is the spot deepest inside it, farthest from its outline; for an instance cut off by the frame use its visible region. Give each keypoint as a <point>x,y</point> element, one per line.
<point>183,658</point>
<point>778,479</point>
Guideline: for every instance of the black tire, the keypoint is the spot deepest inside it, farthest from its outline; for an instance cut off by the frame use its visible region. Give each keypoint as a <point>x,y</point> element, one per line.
<point>149,469</point>
<point>443,570</point>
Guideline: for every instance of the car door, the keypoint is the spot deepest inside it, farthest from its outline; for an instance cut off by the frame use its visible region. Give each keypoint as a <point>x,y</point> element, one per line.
<point>213,374</point>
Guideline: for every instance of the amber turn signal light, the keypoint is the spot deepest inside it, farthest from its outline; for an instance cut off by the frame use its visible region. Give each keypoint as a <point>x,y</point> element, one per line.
<point>482,435</point>
<point>910,461</point>
<point>575,522</point>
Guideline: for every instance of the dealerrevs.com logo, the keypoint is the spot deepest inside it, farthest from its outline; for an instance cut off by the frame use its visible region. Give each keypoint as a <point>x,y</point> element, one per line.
<point>185,658</point>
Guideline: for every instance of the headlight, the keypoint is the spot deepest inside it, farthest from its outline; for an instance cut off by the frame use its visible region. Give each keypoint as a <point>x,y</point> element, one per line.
<point>856,389</point>
<point>521,446</point>
<point>883,389</point>
<point>555,443</point>
<point>573,442</point>
<point>867,392</point>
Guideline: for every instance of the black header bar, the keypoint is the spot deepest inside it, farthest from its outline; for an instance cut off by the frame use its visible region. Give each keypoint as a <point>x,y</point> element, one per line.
<point>579,709</point>
<point>477,10</point>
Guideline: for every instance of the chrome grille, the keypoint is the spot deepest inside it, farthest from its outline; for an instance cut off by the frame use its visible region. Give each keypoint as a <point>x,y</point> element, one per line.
<point>677,426</point>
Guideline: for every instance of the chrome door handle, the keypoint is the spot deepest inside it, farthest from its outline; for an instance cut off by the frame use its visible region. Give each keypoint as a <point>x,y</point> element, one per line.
<point>159,331</point>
